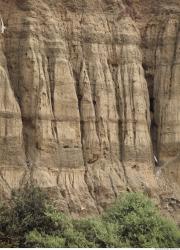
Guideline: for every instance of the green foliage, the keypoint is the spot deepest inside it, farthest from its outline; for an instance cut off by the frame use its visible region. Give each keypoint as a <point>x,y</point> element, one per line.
<point>99,233</point>
<point>65,228</point>
<point>29,208</point>
<point>6,239</point>
<point>41,240</point>
<point>133,221</point>
<point>168,235</point>
<point>140,224</point>
<point>25,213</point>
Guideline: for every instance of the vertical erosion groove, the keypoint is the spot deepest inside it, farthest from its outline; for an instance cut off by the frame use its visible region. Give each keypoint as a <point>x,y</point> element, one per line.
<point>75,79</point>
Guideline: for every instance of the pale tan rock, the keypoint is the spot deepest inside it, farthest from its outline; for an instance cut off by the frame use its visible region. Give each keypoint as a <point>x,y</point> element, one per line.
<point>72,74</point>
<point>162,61</point>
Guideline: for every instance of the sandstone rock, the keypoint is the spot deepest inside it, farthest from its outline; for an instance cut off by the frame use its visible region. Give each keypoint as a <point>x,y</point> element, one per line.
<point>75,109</point>
<point>162,69</point>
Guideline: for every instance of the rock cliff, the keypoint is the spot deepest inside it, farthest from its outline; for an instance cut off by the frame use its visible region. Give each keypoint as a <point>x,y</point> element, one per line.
<point>89,95</point>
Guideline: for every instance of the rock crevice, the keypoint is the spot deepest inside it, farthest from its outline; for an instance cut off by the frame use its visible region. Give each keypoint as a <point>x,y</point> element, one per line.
<point>74,101</point>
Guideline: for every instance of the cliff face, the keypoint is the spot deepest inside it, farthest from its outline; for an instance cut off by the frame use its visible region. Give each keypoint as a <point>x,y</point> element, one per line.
<point>78,80</point>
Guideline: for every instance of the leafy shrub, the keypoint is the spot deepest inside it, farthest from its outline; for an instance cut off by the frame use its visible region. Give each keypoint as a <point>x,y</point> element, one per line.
<point>29,207</point>
<point>6,238</point>
<point>98,232</point>
<point>140,224</point>
<point>41,240</point>
<point>25,213</point>
<point>65,228</point>
<point>133,221</point>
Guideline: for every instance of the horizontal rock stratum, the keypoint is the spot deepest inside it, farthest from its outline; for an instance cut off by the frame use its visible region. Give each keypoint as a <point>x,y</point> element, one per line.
<point>89,94</point>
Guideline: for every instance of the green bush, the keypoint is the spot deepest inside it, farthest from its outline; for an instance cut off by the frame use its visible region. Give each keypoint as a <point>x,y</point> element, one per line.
<point>29,207</point>
<point>133,221</point>
<point>41,240</point>
<point>140,224</point>
<point>25,213</point>
<point>98,232</point>
<point>65,228</point>
<point>6,238</point>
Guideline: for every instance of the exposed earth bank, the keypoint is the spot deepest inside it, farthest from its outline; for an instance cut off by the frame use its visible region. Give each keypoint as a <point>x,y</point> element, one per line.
<point>89,99</point>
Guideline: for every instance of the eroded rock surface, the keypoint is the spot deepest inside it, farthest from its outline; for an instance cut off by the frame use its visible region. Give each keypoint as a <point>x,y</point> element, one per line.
<point>75,82</point>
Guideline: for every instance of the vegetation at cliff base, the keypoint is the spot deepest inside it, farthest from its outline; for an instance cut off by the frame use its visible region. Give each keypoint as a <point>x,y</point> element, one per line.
<point>132,221</point>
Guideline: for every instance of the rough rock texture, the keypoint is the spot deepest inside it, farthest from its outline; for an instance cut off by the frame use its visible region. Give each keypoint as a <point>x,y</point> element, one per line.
<point>75,112</point>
